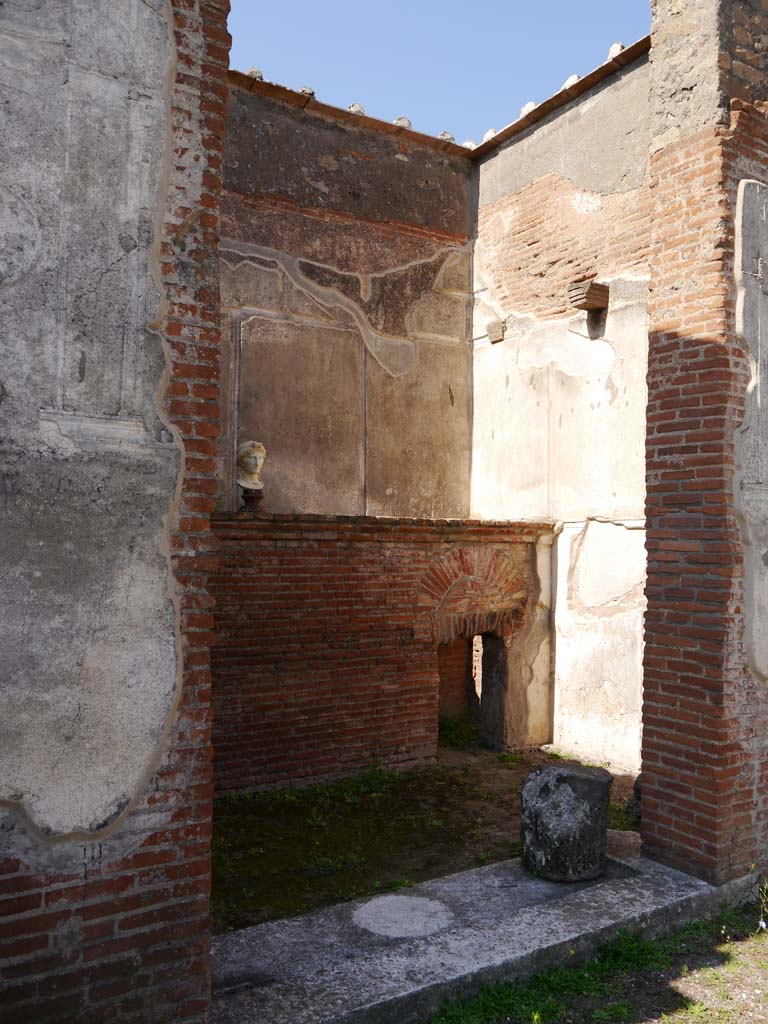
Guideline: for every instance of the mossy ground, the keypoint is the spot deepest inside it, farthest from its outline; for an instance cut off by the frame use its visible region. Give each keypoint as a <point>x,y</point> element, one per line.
<point>285,852</point>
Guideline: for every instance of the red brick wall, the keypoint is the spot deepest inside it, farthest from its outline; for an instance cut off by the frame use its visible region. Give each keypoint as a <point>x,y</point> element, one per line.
<point>535,243</point>
<point>125,936</point>
<point>454,666</point>
<point>705,782</point>
<point>549,216</point>
<point>742,59</point>
<point>691,534</point>
<point>328,634</point>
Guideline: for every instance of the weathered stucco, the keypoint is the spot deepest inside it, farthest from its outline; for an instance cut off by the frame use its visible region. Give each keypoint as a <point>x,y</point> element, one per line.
<point>312,162</point>
<point>346,278</point>
<point>349,358</point>
<point>87,624</point>
<point>558,415</point>
<point>571,143</point>
<point>751,477</point>
<point>529,702</point>
<point>686,92</point>
<point>598,638</point>
<point>559,427</point>
<point>559,403</point>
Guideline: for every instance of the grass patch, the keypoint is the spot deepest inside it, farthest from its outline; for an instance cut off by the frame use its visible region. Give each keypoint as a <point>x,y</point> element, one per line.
<point>461,733</point>
<point>620,819</point>
<point>284,852</point>
<point>627,981</point>
<point>546,997</point>
<point>281,853</point>
<point>509,758</point>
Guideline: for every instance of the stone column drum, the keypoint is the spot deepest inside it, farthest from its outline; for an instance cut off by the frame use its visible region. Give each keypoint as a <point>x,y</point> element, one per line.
<point>564,825</point>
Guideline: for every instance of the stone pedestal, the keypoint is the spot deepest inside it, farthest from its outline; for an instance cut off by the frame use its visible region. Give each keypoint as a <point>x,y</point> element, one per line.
<point>564,826</point>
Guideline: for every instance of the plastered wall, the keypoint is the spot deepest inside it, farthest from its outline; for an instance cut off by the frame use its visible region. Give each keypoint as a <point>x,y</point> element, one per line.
<point>559,404</point>
<point>113,115</point>
<point>350,357</point>
<point>86,606</point>
<point>345,281</point>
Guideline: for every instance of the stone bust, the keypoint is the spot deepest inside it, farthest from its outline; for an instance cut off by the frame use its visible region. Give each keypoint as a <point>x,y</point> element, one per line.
<point>250,460</point>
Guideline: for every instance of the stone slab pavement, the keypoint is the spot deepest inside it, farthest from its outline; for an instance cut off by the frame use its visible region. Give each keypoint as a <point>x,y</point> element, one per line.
<point>394,959</point>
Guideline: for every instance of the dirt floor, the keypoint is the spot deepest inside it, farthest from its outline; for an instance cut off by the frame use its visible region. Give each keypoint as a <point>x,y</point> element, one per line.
<point>283,853</point>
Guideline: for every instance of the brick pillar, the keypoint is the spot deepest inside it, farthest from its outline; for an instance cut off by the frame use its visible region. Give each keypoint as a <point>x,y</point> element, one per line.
<point>117,926</point>
<point>705,793</point>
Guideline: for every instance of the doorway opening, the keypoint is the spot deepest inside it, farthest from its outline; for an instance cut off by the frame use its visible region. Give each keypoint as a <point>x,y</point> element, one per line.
<point>473,683</point>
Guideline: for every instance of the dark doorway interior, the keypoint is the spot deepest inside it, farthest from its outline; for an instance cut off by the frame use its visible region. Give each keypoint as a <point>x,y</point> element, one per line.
<point>473,682</point>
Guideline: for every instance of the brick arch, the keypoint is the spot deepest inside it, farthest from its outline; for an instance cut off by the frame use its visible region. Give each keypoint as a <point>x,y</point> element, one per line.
<point>471,590</point>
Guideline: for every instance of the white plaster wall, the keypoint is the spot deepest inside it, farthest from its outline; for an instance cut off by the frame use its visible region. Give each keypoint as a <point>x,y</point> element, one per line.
<point>559,417</point>
<point>600,574</point>
<point>510,433</point>
<point>559,434</point>
<point>559,405</point>
<point>597,413</point>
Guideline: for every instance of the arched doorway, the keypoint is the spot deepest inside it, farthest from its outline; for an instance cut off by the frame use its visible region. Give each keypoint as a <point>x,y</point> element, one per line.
<point>483,611</point>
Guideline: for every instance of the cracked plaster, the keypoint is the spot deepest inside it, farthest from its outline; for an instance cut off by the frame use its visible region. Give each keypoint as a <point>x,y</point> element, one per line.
<point>89,625</point>
<point>751,477</point>
<point>559,429</point>
<point>376,365</point>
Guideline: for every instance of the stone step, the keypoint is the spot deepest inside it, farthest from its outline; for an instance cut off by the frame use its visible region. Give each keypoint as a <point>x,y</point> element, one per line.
<point>394,959</point>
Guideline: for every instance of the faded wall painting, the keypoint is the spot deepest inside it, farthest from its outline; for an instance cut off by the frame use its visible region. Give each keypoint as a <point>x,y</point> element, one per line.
<point>345,376</point>
<point>346,283</point>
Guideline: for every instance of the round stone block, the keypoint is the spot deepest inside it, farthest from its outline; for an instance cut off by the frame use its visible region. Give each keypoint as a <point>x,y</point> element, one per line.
<point>564,826</point>
<point>403,917</point>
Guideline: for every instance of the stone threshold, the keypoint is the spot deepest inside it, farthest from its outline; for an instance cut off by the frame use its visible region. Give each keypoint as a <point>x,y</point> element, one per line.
<point>394,959</point>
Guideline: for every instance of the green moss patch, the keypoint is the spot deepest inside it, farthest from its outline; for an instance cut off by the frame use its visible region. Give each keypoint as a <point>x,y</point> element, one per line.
<point>285,852</point>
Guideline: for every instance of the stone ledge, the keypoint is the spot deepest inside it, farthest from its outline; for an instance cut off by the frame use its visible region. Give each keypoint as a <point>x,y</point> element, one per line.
<point>394,960</point>
<point>316,527</point>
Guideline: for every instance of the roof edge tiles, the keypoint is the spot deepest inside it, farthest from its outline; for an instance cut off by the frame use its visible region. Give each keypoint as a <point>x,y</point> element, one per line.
<point>307,102</point>
<point>560,99</point>
<point>629,55</point>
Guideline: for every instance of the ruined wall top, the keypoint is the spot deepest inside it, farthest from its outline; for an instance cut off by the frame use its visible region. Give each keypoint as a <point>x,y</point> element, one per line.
<point>619,57</point>
<point>704,54</point>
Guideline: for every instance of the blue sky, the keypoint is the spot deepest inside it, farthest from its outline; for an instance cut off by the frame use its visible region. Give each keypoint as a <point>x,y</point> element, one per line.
<point>462,66</point>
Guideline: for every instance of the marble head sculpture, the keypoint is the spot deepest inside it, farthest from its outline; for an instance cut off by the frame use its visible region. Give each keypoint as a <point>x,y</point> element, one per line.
<point>250,461</point>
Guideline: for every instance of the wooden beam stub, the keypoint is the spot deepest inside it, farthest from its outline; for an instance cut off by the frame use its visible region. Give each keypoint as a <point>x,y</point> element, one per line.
<point>588,295</point>
<point>496,330</point>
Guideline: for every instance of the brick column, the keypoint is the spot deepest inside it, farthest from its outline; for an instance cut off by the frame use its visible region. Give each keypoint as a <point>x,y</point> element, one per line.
<point>705,793</point>
<point>119,929</point>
